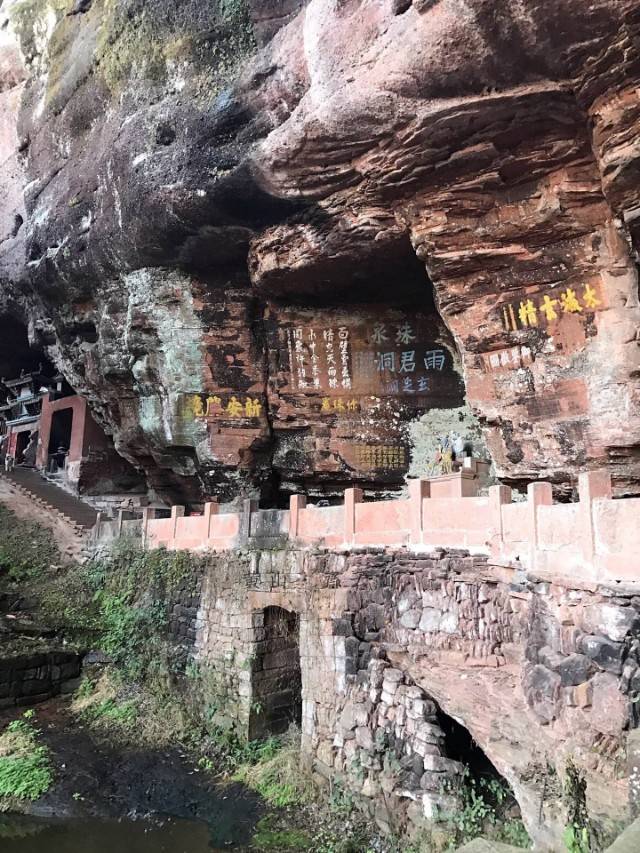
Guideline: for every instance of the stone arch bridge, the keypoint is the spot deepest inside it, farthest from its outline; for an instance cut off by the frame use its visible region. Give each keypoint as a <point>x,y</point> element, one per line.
<point>520,621</point>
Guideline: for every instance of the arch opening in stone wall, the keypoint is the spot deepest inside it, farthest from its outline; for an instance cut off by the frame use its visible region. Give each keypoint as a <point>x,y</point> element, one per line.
<point>486,804</point>
<point>276,700</point>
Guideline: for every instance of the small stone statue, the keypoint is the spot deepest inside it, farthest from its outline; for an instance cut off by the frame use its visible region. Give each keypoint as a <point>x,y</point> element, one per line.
<point>459,445</point>
<point>444,455</point>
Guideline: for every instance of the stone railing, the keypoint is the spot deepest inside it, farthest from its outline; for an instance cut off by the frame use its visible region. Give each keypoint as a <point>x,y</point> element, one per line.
<point>595,540</point>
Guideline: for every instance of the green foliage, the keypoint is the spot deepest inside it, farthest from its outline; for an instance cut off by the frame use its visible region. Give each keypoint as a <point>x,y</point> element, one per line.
<point>272,768</point>
<point>85,690</point>
<point>341,801</point>
<point>25,769</point>
<point>484,803</point>
<point>134,591</point>
<point>27,550</point>
<point>269,836</point>
<point>31,563</point>
<point>233,755</point>
<point>576,839</point>
<point>122,714</point>
<point>578,835</point>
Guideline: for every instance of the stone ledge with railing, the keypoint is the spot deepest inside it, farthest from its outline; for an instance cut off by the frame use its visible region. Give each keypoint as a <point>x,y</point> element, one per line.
<point>595,540</point>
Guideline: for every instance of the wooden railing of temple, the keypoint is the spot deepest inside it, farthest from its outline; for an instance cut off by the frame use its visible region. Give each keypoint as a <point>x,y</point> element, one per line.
<point>595,540</point>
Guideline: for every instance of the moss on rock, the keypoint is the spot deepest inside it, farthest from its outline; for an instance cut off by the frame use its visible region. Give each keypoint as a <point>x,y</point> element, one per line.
<point>426,432</point>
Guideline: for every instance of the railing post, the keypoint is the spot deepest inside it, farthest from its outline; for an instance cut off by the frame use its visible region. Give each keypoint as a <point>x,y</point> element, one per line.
<point>249,506</point>
<point>148,513</point>
<point>351,498</point>
<point>119,522</point>
<point>96,526</point>
<point>296,504</point>
<point>498,496</point>
<point>592,485</point>
<point>176,513</point>
<point>211,508</point>
<point>418,490</point>
<point>538,494</point>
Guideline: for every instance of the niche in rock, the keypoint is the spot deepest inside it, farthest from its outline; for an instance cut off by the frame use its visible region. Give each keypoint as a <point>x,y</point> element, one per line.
<point>349,369</point>
<point>276,676</point>
<point>312,385</point>
<point>313,388</point>
<point>16,353</point>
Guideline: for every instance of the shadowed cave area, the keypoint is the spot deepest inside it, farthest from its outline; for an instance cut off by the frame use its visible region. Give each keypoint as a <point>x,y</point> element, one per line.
<point>486,796</point>
<point>276,673</point>
<point>16,353</point>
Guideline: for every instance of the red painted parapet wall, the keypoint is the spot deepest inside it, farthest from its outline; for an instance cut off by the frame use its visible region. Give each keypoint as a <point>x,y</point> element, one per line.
<point>594,540</point>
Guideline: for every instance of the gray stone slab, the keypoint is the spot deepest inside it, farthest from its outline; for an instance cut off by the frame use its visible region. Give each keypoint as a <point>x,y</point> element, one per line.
<point>483,845</point>
<point>629,841</point>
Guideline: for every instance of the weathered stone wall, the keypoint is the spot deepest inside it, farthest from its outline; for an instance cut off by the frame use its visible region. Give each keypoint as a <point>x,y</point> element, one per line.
<point>184,605</point>
<point>536,672</point>
<point>29,678</point>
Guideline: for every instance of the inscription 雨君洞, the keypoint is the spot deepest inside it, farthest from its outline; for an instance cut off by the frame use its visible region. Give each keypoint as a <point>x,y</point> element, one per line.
<point>381,359</point>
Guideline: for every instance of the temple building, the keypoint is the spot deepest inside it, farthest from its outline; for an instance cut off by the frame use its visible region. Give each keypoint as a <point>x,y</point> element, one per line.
<point>21,414</point>
<point>45,425</point>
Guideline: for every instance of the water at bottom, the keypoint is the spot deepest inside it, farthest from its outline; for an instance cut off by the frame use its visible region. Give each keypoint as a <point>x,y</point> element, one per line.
<point>20,834</point>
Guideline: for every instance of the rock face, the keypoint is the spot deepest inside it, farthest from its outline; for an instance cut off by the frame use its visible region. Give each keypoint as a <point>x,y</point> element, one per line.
<point>260,264</point>
<point>12,178</point>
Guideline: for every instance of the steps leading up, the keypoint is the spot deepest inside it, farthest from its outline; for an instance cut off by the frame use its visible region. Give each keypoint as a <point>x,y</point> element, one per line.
<point>80,515</point>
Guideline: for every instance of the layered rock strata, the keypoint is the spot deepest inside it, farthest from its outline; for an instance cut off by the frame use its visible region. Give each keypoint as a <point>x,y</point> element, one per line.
<point>191,200</point>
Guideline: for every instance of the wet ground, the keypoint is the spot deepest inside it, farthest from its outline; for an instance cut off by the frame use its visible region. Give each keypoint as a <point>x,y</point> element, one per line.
<point>20,834</point>
<point>108,798</point>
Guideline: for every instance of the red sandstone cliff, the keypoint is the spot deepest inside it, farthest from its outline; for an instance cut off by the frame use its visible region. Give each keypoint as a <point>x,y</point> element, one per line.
<point>262,264</point>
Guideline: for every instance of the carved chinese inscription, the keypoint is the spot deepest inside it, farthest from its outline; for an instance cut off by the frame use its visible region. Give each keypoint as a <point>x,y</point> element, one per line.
<point>381,456</point>
<point>364,357</point>
<point>357,375</point>
<point>541,311</point>
<point>228,406</point>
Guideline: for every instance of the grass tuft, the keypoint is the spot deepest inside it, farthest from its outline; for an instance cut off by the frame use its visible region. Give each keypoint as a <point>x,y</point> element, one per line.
<point>278,777</point>
<point>25,768</point>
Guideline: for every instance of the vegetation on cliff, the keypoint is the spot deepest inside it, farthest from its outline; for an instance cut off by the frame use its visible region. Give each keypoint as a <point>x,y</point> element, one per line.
<point>122,42</point>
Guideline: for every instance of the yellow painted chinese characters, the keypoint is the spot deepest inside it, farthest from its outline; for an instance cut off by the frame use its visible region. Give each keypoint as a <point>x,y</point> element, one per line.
<point>531,314</point>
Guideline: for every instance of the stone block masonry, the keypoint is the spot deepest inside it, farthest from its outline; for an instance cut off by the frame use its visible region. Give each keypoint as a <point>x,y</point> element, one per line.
<point>30,678</point>
<point>385,644</point>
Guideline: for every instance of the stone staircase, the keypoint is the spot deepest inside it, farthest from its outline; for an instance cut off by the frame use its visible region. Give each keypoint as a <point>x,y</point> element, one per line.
<point>79,517</point>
